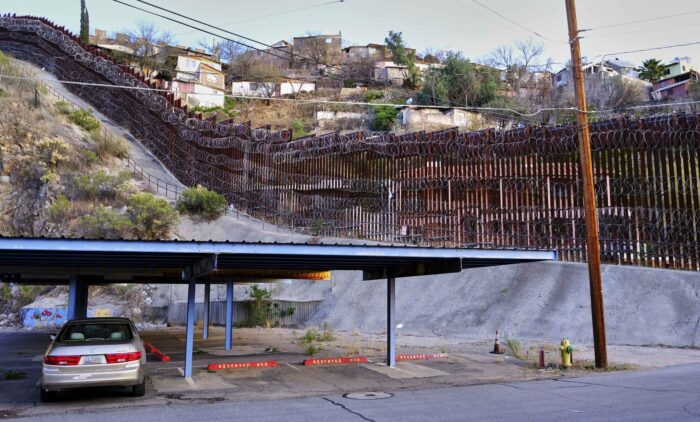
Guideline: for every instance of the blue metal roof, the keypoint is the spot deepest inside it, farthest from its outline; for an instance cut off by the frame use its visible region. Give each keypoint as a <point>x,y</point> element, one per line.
<point>43,258</point>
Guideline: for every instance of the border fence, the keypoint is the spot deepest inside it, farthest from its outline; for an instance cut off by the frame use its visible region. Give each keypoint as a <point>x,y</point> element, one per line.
<point>518,188</point>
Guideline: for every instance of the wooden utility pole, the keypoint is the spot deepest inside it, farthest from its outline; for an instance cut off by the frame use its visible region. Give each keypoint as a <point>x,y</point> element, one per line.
<point>596,285</point>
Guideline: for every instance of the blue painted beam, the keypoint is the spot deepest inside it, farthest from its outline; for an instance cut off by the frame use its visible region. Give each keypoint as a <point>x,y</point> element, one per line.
<point>189,334</point>
<point>77,298</point>
<point>206,311</point>
<point>229,314</point>
<point>72,297</point>
<point>391,322</point>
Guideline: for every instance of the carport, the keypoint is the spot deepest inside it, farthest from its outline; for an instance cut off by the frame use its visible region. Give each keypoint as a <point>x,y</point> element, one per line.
<point>81,263</point>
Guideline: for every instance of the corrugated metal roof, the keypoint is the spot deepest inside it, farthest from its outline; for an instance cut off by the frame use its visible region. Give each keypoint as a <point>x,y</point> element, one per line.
<point>41,258</point>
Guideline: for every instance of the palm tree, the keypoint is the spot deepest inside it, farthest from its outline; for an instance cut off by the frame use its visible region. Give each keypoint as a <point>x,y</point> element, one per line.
<point>652,70</point>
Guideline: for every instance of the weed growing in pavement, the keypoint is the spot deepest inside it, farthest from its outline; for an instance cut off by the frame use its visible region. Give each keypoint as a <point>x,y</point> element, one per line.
<point>514,347</point>
<point>312,349</point>
<point>11,375</point>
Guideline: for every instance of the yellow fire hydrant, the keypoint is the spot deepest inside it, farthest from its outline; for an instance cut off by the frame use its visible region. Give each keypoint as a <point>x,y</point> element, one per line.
<point>566,351</point>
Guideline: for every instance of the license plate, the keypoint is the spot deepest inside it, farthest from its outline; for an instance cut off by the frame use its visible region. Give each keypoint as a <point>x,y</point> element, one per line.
<point>93,359</point>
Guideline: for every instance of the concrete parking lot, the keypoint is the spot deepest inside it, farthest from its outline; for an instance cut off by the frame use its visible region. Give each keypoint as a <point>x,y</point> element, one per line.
<point>467,364</point>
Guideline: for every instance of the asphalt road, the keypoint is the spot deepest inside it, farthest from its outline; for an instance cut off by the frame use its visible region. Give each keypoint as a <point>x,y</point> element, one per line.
<point>664,394</point>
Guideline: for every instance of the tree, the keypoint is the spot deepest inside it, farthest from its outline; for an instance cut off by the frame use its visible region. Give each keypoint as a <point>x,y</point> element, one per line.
<point>403,56</point>
<point>651,70</point>
<point>460,83</point>
<point>84,23</point>
<point>150,47</point>
<point>518,63</point>
<point>612,93</point>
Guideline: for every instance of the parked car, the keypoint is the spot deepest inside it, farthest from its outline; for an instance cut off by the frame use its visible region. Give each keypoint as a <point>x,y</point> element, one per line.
<point>94,352</point>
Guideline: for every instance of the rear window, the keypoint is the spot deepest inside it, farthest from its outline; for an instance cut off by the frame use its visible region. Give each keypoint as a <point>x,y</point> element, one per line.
<point>95,332</point>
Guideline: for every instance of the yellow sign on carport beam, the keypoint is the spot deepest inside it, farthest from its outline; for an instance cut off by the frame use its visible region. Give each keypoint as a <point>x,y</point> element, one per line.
<point>270,273</point>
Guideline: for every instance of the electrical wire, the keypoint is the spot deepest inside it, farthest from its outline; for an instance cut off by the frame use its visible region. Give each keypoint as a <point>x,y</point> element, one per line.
<point>518,24</point>
<point>647,49</point>
<point>595,28</point>
<point>363,103</point>
<point>274,14</point>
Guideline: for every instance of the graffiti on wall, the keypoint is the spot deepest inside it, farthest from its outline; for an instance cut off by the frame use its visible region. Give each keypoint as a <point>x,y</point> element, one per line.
<point>55,317</point>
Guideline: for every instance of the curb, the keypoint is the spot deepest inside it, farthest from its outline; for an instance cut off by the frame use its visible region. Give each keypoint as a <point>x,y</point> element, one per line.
<point>152,349</point>
<point>335,361</point>
<point>242,365</point>
<point>422,356</point>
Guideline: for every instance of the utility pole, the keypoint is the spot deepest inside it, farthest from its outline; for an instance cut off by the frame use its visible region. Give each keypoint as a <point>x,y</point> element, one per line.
<point>596,285</point>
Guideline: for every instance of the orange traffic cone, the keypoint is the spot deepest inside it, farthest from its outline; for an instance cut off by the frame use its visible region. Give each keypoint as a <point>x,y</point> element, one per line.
<point>497,346</point>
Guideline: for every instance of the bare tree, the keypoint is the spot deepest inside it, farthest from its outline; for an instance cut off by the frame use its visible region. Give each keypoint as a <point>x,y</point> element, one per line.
<point>150,47</point>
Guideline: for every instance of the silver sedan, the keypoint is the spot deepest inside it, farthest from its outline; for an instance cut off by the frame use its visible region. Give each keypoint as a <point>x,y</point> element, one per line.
<point>94,352</point>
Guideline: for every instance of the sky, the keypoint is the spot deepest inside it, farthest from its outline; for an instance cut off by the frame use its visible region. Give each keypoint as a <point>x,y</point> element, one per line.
<point>460,25</point>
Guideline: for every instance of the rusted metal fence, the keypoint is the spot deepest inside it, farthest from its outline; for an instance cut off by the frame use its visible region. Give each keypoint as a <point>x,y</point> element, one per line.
<point>491,189</point>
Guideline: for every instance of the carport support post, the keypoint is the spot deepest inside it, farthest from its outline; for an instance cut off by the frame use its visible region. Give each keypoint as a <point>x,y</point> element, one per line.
<point>189,334</point>
<point>206,311</point>
<point>391,323</point>
<point>229,314</point>
<point>77,298</point>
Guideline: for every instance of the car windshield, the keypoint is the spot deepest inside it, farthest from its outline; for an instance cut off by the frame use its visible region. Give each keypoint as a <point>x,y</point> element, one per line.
<point>97,331</point>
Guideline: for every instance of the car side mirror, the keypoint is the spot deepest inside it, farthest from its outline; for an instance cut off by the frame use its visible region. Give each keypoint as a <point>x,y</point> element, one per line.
<point>53,337</point>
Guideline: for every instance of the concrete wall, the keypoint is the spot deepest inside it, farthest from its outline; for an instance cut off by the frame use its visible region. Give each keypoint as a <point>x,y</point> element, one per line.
<point>428,118</point>
<point>536,301</point>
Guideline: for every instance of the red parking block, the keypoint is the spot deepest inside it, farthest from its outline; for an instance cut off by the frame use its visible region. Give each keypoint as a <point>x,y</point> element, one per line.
<point>421,356</point>
<point>242,365</point>
<point>152,349</point>
<point>335,361</point>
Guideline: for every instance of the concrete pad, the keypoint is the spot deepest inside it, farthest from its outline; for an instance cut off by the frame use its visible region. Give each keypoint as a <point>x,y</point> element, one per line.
<point>173,381</point>
<point>405,370</point>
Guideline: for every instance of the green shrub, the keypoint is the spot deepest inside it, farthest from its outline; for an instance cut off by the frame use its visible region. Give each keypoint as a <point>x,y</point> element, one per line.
<point>298,130</point>
<point>60,209</point>
<point>101,184</point>
<point>54,152</point>
<point>373,94</point>
<point>106,223</point>
<point>384,117</point>
<point>202,202</point>
<point>108,145</point>
<point>90,157</point>
<point>63,107</point>
<point>84,119</point>
<point>153,217</point>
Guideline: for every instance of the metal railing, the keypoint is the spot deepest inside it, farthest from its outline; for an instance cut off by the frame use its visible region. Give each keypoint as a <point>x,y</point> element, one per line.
<point>159,186</point>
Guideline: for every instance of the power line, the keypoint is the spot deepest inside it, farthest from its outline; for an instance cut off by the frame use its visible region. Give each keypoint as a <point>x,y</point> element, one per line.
<point>648,49</point>
<point>692,12</point>
<point>518,24</point>
<point>274,14</point>
<point>358,103</point>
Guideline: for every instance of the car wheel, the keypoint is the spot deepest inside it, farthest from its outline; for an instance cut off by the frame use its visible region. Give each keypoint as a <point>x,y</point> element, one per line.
<point>140,389</point>
<point>48,396</point>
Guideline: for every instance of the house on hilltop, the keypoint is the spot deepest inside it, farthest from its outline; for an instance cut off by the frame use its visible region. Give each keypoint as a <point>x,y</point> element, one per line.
<point>673,86</point>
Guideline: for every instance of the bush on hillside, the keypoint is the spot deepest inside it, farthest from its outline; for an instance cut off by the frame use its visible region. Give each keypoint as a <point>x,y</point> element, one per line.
<point>84,119</point>
<point>152,217</point>
<point>298,130</point>
<point>60,209</point>
<point>384,117</point>
<point>106,223</point>
<point>373,94</point>
<point>108,145</point>
<point>101,184</point>
<point>202,202</point>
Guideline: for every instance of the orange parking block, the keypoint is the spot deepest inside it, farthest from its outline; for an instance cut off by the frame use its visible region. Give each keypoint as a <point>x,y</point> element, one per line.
<point>152,349</point>
<point>335,361</point>
<point>421,356</point>
<point>242,365</point>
